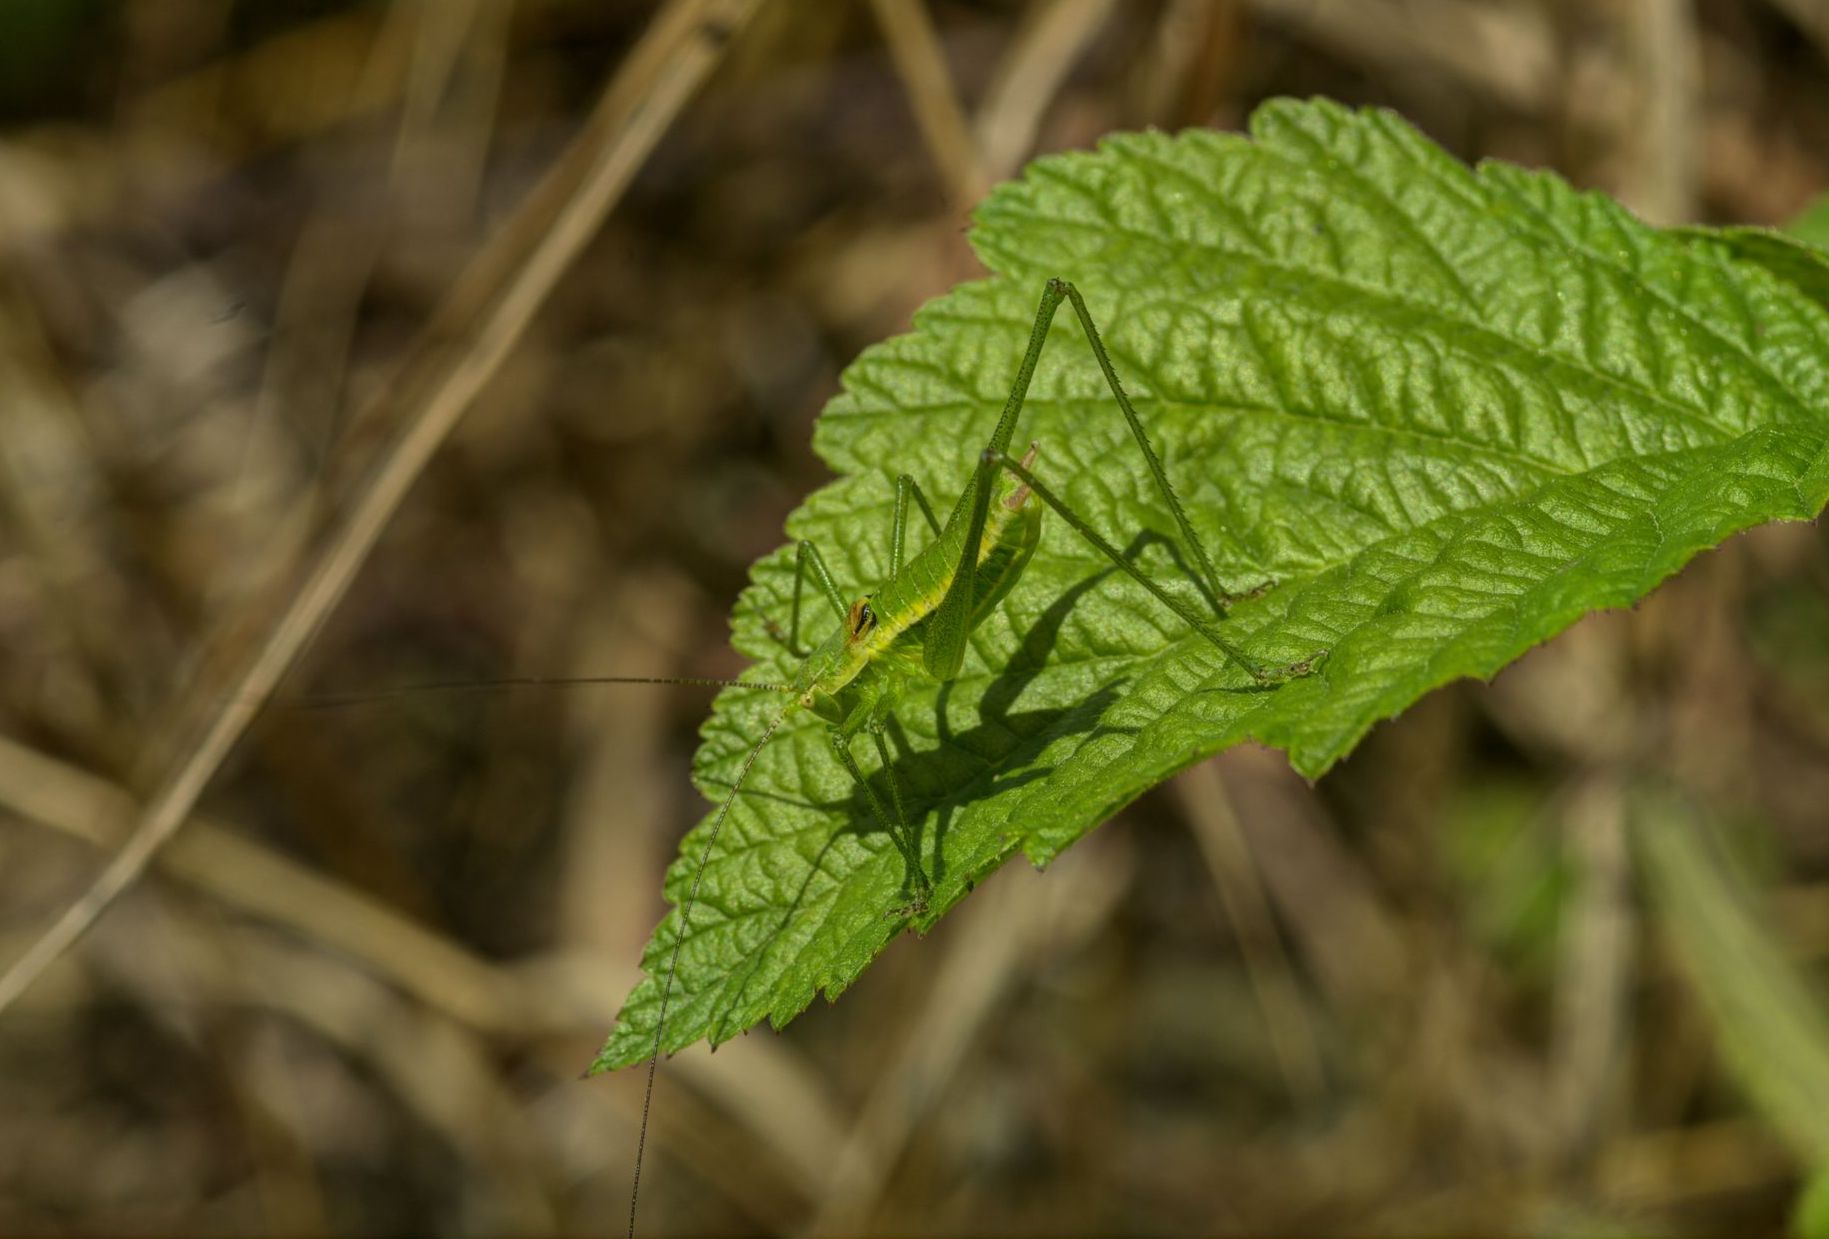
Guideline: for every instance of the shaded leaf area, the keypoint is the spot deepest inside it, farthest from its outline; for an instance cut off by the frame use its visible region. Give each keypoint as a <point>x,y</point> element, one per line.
<point>1797,262</point>
<point>1445,413</point>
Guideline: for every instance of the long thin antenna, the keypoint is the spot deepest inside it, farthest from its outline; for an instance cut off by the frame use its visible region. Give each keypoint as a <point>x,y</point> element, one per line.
<point>673,963</point>
<point>332,701</point>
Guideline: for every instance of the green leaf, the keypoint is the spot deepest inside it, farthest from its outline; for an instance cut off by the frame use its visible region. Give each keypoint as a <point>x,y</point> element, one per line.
<point>1447,413</point>
<point>1812,226</point>
<point>1798,253</point>
<point>1803,266</point>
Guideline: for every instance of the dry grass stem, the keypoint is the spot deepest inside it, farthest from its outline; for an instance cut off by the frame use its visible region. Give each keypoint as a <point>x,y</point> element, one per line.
<point>993,938</point>
<point>1597,970</point>
<point>1203,797</point>
<point>1043,53</point>
<point>581,276</point>
<point>915,49</point>
<point>763,1085</point>
<point>683,46</point>
<point>1811,16</point>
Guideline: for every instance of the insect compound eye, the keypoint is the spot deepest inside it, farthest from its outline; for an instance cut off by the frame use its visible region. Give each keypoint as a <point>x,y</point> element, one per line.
<point>862,619</point>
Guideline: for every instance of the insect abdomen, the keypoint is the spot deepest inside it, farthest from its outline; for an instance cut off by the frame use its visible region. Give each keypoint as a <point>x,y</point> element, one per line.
<point>1003,561</point>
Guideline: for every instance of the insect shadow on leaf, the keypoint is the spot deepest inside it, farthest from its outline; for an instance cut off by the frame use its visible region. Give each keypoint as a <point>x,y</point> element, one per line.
<point>914,629</point>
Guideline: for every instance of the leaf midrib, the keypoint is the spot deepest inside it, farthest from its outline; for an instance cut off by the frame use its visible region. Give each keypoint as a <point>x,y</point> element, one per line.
<point>1484,185</point>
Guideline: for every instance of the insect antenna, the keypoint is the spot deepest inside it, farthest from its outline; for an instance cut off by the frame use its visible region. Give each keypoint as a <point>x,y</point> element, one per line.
<point>673,963</point>
<point>333,701</point>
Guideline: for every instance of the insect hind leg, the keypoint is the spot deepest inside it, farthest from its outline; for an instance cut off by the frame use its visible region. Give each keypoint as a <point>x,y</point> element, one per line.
<point>1220,599</point>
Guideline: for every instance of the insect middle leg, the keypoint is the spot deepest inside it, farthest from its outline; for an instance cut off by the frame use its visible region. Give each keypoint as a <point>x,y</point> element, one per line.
<point>906,488</point>
<point>807,556</point>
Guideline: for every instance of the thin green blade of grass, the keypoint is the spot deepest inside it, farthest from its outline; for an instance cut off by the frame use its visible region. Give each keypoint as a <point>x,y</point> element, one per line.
<point>1769,1016</point>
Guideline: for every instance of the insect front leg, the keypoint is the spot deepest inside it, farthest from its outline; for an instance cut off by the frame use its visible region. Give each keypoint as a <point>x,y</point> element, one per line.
<point>905,487</point>
<point>807,555</point>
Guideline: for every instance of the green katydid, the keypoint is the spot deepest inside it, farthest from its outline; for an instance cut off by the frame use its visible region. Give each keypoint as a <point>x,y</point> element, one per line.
<point>915,624</point>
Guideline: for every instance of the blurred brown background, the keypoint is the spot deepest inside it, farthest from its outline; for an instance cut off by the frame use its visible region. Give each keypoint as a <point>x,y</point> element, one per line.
<point>243,243</point>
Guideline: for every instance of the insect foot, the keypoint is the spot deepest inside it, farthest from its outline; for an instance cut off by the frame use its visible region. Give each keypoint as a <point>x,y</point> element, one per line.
<point>908,911</point>
<point>1229,600</point>
<point>1289,671</point>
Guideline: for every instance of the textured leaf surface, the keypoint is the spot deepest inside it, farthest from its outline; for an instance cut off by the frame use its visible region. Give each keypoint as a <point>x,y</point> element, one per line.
<point>1798,263</point>
<point>1446,412</point>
